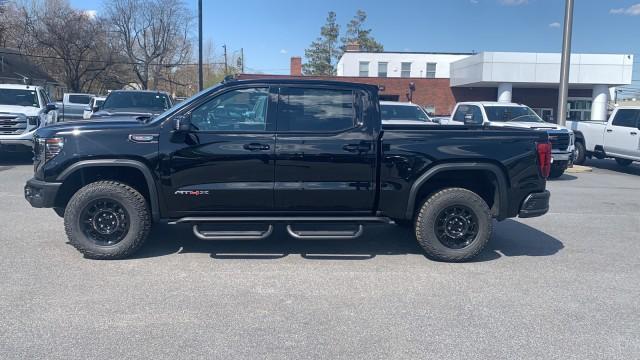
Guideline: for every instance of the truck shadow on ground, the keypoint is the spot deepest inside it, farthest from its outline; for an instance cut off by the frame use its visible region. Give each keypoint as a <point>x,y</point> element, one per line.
<point>609,164</point>
<point>511,238</point>
<point>9,159</point>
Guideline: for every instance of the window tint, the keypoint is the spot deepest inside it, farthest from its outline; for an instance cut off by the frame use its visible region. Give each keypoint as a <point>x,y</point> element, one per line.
<point>431,70</point>
<point>44,97</point>
<point>80,99</point>
<point>364,69</point>
<point>18,97</point>
<point>626,118</point>
<point>236,110</point>
<point>463,110</point>
<point>403,112</point>
<point>382,69</point>
<point>316,110</point>
<point>137,100</point>
<point>511,113</point>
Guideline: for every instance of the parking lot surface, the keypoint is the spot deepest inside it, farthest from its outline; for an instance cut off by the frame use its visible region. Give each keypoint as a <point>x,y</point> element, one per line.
<point>566,285</point>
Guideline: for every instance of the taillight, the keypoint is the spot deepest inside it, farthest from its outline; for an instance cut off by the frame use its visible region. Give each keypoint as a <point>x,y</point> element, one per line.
<point>544,158</point>
<point>50,148</point>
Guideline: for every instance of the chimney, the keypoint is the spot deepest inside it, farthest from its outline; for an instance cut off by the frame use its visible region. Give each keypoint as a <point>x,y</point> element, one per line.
<point>353,46</point>
<point>296,66</point>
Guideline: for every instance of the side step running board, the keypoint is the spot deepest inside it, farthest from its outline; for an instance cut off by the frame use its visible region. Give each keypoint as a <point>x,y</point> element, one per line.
<point>232,235</point>
<point>325,234</point>
<point>284,219</point>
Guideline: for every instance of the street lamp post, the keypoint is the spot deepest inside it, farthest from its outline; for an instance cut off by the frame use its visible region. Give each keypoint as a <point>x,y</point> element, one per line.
<point>566,61</point>
<point>200,79</point>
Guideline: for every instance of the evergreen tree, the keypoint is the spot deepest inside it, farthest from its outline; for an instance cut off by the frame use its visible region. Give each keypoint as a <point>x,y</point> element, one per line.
<point>323,54</point>
<point>356,33</point>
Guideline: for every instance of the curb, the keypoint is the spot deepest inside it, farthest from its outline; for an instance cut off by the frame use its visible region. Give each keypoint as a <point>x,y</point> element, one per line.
<point>576,169</point>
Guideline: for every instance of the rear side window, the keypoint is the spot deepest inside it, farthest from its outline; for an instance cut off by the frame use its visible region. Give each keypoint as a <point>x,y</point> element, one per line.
<point>463,110</point>
<point>627,118</point>
<point>80,99</point>
<point>315,110</point>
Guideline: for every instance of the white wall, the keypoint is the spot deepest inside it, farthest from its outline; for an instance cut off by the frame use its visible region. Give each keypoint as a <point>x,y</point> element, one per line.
<point>349,64</point>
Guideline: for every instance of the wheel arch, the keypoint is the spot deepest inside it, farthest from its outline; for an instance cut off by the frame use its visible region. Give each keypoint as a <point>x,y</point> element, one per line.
<point>500,184</point>
<point>111,164</point>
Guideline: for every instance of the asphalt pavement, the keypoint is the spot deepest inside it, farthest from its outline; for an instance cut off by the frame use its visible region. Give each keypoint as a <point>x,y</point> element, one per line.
<point>562,286</point>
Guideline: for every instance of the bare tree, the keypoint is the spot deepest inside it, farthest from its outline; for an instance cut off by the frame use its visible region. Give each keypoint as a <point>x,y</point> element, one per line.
<point>153,35</point>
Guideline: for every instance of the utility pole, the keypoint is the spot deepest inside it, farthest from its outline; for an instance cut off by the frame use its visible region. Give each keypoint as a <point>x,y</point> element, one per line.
<point>200,76</point>
<point>566,61</point>
<point>242,57</point>
<point>226,71</point>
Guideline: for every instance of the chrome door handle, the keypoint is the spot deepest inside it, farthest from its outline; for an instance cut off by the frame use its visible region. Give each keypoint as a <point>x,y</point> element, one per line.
<point>256,147</point>
<point>633,133</point>
<point>609,130</point>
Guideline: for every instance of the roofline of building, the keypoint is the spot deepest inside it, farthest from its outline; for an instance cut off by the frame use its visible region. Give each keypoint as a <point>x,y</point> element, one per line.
<point>411,52</point>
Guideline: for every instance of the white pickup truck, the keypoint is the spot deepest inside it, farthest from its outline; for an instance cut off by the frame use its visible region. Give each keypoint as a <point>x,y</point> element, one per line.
<point>23,109</point>
<point>618,137</point>
<point>491,113</point>
<point>72,106</point>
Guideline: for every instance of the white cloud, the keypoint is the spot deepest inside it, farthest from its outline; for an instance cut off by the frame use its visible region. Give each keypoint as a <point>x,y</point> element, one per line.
<point>554,24</point>
<point>474,1</point>
<point>91,13</point>
<point>633,10</point>
<point>514,2</point>
<point>283,51</point>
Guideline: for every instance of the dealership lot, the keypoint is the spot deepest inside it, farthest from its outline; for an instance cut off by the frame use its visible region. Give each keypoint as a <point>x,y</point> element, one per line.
<point>561,286</point>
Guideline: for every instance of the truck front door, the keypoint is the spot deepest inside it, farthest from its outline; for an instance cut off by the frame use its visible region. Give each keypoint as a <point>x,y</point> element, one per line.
<point>325,151</point>
<point>621,135</point>
<point>226,162</point>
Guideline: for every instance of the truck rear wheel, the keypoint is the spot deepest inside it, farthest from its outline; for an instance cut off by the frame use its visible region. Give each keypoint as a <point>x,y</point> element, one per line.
<point>581,153</point>
<point>107,220</point>
<point>557,169</point>
<point>453,225</point>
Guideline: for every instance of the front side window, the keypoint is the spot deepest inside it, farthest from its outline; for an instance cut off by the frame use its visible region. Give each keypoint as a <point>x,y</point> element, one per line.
<point>431,70</point>
<point>19,97</point>
<point>511,113</point>
<point>626,118</point>
<point>315,110</point>
<point>382,69</point>
<point>405,70</point>
<point>235,110</point>
<point>364,69</point>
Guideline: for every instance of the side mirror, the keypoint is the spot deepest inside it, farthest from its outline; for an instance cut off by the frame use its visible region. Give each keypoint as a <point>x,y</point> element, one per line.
<point>95,108</point>
<point>182,123</point>
<point>470,120</point>
<point>50,107</point>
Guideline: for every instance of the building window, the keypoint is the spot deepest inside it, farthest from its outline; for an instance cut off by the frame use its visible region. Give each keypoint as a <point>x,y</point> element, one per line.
<point>364,68</point>
<point>405,70</point>
<point>382,69</point>
<point>431,70</point>
<point>579,109</point>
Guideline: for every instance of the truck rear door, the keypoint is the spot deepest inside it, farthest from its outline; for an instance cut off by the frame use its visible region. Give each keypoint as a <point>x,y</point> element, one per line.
<point>325,151</point>
<point>621,135</point>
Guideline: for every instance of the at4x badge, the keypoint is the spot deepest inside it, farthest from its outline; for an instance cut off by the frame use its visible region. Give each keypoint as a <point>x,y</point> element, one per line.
<point>192,192</point>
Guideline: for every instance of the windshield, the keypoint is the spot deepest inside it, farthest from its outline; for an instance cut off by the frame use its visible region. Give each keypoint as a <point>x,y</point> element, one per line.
<point>403,112</point>
<point>136,100</point>
<point>511,113</point>
<point>19,97</point>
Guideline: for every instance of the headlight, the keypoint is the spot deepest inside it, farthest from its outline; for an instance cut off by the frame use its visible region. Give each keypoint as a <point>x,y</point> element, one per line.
<point>33,120</point>
<point>50,148</point>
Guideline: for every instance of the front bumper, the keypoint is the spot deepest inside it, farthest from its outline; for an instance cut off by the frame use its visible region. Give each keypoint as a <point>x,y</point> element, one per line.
<point>23,142</point>
<point>562,156</point>
<point>535,204</point>
<point>41,194</point>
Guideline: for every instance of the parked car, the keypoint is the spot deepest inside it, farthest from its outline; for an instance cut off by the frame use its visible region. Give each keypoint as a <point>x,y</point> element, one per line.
<point>143,104</point>
<point>94,105</point>
<point>490,113</point>
<point>400,113</point>
<point>616,138</point>
<point>23,109</point>
<point>72,106</point>
<point>291,152</point>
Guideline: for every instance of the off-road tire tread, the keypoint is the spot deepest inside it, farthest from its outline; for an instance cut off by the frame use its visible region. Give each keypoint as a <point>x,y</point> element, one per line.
<point>427,209</point>
<point>138,202</point>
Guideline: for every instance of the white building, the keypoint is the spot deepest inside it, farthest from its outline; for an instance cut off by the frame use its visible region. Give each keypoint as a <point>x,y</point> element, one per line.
<point>397,64</point>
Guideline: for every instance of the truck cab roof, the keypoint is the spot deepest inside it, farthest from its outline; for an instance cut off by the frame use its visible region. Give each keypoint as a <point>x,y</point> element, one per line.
<point>19,86</point>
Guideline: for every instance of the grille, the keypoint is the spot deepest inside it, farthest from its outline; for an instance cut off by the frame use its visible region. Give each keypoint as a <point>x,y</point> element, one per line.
<point>559,141</point>
<point>12,124</point>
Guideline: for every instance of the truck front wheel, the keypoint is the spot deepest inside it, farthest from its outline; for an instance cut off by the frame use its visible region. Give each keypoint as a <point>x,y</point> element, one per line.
<point>107,220</point>
<point>453,225</point>
<point>581,153</point>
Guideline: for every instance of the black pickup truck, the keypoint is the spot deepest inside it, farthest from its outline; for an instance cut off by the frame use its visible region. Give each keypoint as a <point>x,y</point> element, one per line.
<point>289,152</point>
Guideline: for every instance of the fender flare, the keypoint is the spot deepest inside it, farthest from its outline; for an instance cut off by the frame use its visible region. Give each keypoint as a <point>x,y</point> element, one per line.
<point>431,172</point>
<point>144,169</point>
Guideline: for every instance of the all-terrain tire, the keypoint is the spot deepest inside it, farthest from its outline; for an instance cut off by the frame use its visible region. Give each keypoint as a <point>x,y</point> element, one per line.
<point>130,200</point>
<point>425,225</point>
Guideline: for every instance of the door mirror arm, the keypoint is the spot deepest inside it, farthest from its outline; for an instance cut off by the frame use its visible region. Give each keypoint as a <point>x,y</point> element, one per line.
<point>182,123</point>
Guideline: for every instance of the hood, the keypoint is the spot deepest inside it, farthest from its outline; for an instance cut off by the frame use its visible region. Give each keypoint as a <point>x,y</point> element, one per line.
<point>26,110</point>
<point>127,112</point>
<point>87,125</point>
<point>527,125</point>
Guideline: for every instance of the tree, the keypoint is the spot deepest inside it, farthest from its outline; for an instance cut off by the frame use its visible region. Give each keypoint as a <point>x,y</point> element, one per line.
<point>153,35</point>
<point>357,34</point>
<point>323,54</point>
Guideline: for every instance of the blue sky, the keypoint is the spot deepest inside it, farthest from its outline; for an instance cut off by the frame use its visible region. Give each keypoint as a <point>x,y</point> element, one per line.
<point>272,31</point>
